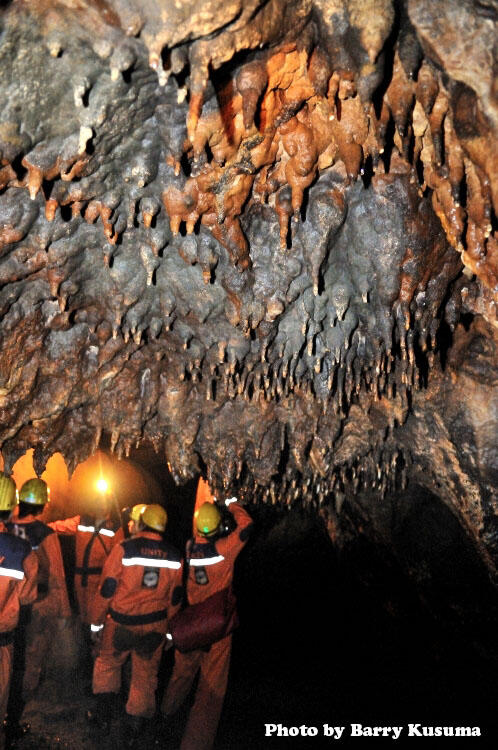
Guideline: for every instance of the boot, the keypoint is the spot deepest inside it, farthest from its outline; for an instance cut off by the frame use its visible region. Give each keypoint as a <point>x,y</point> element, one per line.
<point>15,731</point>
<point>134,727</point>
<point>100,717</point>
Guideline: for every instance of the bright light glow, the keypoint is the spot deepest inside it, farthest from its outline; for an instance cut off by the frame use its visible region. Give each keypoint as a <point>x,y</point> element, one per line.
<point>169,636</point>
<point>96,628</point>
<point>78,495</point>
<point>102,485</point>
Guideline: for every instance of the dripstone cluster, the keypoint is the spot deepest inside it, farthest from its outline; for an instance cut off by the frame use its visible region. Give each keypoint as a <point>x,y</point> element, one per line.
<point>260,236</point>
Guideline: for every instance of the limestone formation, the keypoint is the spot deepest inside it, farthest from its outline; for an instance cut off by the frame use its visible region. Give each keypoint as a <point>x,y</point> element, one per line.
<point>259,236</point>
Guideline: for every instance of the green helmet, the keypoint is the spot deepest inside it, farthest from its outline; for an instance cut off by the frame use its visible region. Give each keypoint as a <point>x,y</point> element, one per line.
<point>8,492</point>
<point>34,492</point>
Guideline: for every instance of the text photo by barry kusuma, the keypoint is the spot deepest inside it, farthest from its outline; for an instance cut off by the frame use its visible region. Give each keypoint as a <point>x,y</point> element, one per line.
<point>329,731</point>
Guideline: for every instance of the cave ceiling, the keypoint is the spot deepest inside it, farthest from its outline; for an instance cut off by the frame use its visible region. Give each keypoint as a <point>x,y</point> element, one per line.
<point>258,235</point>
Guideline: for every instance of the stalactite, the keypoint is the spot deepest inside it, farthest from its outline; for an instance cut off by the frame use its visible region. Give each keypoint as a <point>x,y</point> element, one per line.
<point>272,225</point>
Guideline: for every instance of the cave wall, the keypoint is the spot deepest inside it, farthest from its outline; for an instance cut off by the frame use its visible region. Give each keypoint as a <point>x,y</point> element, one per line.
<point>259,236</point>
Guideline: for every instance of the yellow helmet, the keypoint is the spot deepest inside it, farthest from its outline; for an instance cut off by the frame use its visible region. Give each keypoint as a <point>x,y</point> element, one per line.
<point>137,511</point>
<point>8,495</point>
<point>154,516</point>
<point>34,491</point>
<point>207,519</point>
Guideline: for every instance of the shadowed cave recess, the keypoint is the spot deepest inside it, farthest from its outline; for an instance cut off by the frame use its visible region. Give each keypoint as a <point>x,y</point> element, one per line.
<point>259,238</point>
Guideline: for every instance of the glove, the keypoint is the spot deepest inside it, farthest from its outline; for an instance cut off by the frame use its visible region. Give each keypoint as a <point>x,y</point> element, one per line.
<point>228,523</point>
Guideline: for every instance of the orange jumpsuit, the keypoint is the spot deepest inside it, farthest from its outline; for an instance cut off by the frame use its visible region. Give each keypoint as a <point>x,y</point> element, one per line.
<point>140,589</point>
<point>93,545</point>
<point>52,601</point>
<point>18,574</point>
<point>210,570</point>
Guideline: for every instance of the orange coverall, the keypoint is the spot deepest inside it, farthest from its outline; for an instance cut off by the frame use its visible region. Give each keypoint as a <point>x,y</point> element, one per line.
<point>52,601</point>
<point>210,570</point>
<point>93,545</point>
<point>18,574</point>
<point>140,589</point>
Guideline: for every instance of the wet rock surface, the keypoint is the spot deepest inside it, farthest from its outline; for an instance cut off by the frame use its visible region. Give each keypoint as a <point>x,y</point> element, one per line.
<point>260,237</point>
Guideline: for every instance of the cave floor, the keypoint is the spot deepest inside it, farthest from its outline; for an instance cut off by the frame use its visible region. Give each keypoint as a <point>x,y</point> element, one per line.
<point>57,716</point>
<point>300,683</point>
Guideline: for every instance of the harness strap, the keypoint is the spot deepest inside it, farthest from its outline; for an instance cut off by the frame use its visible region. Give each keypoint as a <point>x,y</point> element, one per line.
<point>82,571</point>
<point>146,619</point>
<point>85,570</point>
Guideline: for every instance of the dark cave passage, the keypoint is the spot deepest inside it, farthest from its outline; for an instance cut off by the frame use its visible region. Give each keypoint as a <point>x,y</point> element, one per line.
<point>352,637</point>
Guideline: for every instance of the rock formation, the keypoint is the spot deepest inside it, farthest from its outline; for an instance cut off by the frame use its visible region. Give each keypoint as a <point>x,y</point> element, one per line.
<point>259,236</point>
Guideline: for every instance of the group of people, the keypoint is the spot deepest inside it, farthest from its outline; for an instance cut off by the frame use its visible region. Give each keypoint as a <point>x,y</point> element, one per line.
<point>129,585</point>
